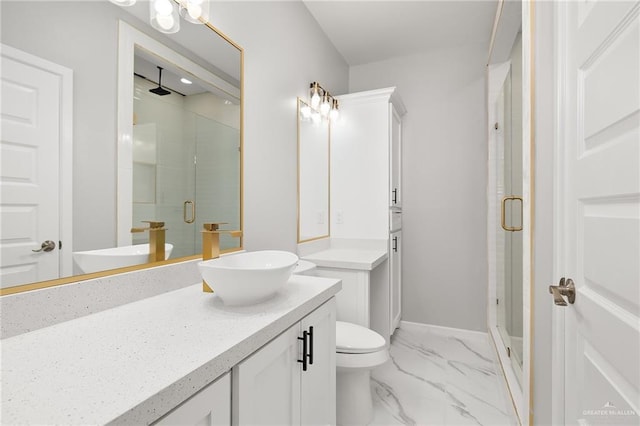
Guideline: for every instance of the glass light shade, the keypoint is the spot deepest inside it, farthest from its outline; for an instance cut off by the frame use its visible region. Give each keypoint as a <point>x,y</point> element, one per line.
<point>334,114</point>
<point>123,2</point>
<point>163,16</point>
<point>315,117</point>
<point>315,99</point>
<point>305,111</point>
<point>325,106</point>
<point>195,11</point>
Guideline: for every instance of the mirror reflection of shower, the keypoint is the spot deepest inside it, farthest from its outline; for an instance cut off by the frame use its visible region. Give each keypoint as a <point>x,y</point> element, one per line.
<point>186,155</point>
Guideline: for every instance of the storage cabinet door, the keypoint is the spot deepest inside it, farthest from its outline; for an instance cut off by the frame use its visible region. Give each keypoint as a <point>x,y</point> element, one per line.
<point>395,276</point>
<point>395,157</point>
<point>318,387</point>
<point>266,386</point>
<point>209,407</point>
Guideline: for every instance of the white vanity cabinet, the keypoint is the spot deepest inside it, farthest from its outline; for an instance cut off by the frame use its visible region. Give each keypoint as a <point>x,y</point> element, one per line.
<point>291,380</point>
<point>209,407</point>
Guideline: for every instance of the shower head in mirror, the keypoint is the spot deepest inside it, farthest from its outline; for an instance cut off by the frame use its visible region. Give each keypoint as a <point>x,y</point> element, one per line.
<point>160,91</point>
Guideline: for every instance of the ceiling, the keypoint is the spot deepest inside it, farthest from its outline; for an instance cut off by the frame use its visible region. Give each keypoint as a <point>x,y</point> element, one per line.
<point>367,31</point>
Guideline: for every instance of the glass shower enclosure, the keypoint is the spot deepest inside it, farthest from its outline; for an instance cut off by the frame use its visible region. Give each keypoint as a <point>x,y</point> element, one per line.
<point>508,200</point>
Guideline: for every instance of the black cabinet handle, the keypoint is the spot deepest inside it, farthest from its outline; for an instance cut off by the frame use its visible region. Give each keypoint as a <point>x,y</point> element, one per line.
<point>395,244</point>
<point>304,350</point>
<point>394,199</point>
<point>310,354</point>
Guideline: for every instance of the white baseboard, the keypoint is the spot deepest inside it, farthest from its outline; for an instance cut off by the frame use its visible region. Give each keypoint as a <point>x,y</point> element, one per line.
<point>448,331</point>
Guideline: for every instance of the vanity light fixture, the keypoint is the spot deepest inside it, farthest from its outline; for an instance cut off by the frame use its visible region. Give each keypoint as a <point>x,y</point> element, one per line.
<point>164,15</point>
<point>320,99</point>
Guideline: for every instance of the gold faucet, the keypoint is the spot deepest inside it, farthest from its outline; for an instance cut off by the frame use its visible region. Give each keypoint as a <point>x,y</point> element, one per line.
<point>156,239</point>
<point>211,244</point>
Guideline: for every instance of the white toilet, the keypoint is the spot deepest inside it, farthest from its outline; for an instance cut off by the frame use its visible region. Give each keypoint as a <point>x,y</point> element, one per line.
<point>358,351</point>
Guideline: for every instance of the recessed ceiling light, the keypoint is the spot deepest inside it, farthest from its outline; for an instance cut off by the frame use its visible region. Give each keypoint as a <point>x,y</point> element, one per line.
<point>185,81</point>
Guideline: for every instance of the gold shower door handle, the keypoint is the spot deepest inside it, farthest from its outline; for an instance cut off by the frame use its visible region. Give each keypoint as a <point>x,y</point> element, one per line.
<point>193,211</point>
<point>503,216</point>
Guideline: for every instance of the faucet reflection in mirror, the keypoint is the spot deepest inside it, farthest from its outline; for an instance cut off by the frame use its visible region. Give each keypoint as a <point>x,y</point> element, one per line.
<point>156,239</point>
<point>163,14</point>
<point>321,105</point>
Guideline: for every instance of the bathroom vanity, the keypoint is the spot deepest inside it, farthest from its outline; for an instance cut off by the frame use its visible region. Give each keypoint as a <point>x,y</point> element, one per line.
<point>179,356</point>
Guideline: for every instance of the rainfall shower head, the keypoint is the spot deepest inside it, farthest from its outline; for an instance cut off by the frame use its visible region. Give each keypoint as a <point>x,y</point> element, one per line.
<point>160,91</point>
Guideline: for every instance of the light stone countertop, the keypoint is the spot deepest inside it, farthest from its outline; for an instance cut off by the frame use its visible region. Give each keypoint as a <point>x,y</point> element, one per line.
<point>365,259</point>
<point>134,363</point>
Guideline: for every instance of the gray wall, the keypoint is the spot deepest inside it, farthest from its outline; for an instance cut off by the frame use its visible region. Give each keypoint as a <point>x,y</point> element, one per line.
<point>284,51</point>
<point>444,180</point>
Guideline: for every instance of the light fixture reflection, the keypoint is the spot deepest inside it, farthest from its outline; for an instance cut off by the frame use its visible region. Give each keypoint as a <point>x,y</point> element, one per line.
<point>124,3</point>
<point>195,11</point>
<point>163,16</point>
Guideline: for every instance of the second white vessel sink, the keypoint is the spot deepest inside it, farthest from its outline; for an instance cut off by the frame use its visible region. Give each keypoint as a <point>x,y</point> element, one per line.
<point>248,278</point>
<point>115,257</point>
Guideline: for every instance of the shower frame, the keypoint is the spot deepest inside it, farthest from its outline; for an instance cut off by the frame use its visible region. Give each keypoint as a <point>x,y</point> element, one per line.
<point>509,14</point>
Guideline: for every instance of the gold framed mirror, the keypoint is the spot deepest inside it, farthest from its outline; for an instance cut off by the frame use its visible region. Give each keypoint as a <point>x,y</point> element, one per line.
<point>313,176</point>
<point>91,212</point>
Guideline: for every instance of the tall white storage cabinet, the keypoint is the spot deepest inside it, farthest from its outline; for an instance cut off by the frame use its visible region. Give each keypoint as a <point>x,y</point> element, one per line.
<point>366,181</point>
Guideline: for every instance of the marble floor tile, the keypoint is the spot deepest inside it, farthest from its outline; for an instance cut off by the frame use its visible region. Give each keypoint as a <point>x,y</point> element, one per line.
<point>434,378</point>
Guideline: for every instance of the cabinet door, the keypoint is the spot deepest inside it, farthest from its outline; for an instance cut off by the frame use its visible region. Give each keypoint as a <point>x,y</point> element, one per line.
<point>353,300</point>
<point>266,386</point>
<point>318,386</point>
<point>209,407</point>
<point>395,277</point>
<point>395,158</point>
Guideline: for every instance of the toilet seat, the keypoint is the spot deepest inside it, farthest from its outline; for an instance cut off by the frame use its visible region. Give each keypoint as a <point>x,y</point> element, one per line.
<point>356,339</point>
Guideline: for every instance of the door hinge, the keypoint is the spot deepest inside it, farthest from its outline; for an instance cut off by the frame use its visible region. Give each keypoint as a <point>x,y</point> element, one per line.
<point>509,352</point>
<point>497,301</point>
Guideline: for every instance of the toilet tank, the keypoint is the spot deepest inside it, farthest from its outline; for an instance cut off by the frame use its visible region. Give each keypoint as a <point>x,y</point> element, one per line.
<point>304,267</point>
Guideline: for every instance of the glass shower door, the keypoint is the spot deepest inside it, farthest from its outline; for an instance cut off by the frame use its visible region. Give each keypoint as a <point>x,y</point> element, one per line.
<point>509,199</point>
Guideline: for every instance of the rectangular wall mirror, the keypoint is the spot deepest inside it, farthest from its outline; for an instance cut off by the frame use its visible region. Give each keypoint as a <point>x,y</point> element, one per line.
<point>127,153</point>
<point>313,176</point>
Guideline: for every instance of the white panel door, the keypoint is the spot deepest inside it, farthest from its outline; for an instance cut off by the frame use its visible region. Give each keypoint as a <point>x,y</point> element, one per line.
<point>266,386</point>
<point>601,204</point>
<point>29,181</point>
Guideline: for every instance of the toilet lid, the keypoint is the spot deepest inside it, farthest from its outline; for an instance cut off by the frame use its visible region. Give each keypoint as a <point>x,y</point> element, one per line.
<point>356,339</point>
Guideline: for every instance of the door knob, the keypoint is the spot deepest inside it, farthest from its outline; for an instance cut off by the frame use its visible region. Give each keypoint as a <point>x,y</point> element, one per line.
<point>46,246</point>
<point>563,289</point>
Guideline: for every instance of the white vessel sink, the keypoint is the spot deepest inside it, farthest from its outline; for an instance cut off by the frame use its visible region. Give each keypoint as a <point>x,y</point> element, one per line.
<point>248,278</point>
<point>116,257</point>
